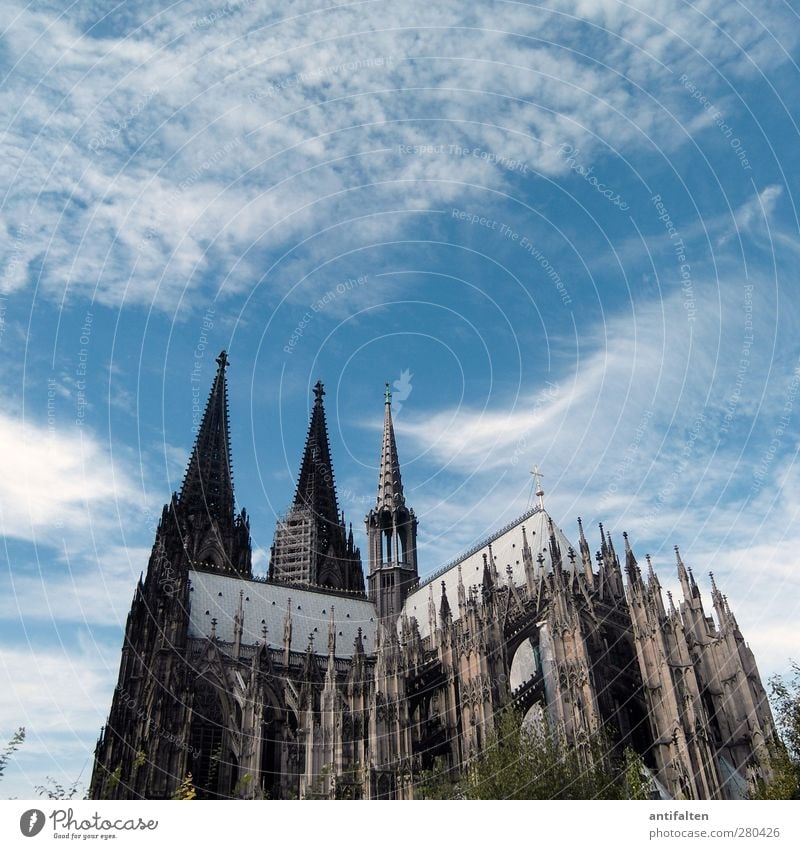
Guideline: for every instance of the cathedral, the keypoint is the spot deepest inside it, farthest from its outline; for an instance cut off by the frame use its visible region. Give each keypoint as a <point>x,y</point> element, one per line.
<point>316,683</point>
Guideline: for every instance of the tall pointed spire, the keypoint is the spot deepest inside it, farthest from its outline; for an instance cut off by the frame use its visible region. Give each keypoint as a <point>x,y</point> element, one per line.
<point>208,484</point>
<point>391,529</point>
<point>390,486</point>
<point>315,485</point>
<point>312,545</point>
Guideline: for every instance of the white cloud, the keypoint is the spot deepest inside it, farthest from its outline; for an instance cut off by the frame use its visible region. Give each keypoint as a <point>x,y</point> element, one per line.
<point>637,438</point>
<point>67,592</point>
<point>57,482</point>
<point>759,208</point>
<point>216,137</point>
<point>60,732</point>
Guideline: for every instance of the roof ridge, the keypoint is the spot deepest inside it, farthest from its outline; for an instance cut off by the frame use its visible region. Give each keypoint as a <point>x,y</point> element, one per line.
<point>532,511</point>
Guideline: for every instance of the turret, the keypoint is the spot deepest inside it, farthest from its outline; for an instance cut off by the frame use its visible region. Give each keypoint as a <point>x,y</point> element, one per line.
<point>391,530</point>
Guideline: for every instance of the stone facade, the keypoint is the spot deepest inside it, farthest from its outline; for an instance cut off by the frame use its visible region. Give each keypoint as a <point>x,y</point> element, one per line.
<point>304,685</point>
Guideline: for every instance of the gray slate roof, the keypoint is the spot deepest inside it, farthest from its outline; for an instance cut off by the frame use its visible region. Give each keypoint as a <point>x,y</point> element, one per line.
<point>507,550</point>
<point>213,596</point>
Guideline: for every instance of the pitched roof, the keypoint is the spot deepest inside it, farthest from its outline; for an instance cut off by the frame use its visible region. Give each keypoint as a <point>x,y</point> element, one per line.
<point>506,547</point>
<point>216,596</point>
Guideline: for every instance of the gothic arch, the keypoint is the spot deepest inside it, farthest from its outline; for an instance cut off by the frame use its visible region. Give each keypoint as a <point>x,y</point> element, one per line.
<point>272,742</point>
<point>330,576</point>
<point>207,736</point>
<point>525,664</point>
<point>211,553</point>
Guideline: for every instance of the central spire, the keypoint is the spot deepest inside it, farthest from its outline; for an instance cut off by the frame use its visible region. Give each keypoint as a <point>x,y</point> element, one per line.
<point>312,545</point>
<point>391,530</point>
<point>315,484</point>
<point>390,485</point>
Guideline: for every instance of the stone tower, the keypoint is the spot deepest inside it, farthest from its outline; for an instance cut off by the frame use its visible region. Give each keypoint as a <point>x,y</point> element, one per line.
<point>312,545</point>
<point>391,531</point>
<point>144,747</point>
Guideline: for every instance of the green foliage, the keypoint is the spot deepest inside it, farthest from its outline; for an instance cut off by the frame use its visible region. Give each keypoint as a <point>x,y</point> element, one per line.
<point>17,738</point>
<point>785,762</point>
<point>242,789</point>
<point>185,791</point>
<point>54,791</point>
<point>635,783</point>
<point>439,782</point>
<point>519,762</point>
<point>522,762</point>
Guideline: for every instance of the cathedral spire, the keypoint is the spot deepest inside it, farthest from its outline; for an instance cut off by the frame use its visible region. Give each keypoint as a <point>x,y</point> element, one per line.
<point>315,485</point>
<point>208,484</point>
<point>390,486</point>
<point>391,529</point>
<point>311,544</point>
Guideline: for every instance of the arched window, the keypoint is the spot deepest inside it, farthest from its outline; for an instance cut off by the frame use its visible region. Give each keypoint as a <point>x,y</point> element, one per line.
<point>206,736</point>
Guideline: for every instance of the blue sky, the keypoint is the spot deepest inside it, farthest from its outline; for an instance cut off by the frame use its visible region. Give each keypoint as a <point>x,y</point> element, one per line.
<point>565,232</point>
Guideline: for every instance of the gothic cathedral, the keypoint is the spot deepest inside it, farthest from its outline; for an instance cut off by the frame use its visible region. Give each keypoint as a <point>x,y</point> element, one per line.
<point>309,684</point>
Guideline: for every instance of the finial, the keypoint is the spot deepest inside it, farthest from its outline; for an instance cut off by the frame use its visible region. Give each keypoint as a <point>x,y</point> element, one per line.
<point>213,628</point>
<point>537,476</point>
<point>222,359</point>
<point>319,391</point>
<point>387,394</point>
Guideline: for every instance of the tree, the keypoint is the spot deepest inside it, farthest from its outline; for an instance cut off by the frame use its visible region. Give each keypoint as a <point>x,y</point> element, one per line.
<point>523,762</point>
<point>17,738</point>
<point>636,783</point>
<point>785,762</point>
<point>438,782</point>
<point>51,789</point>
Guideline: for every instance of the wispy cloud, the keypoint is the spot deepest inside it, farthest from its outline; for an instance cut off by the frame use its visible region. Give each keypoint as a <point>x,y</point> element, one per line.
<point>140,160</point>
<point>58,482</point>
